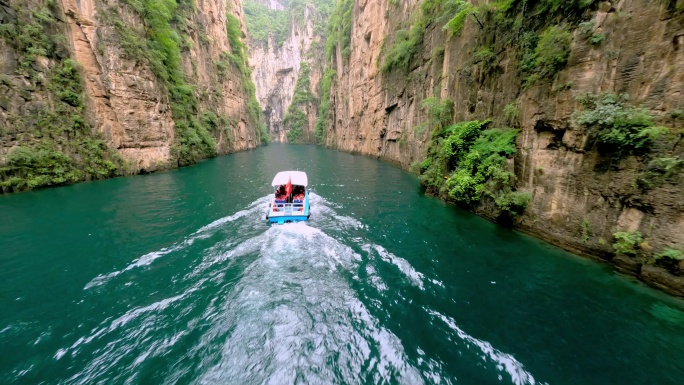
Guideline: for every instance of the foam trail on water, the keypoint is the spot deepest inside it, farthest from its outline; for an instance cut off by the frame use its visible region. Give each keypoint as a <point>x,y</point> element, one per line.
<point>322,215</point>
<point>415,277</point>
<point>268,305</point>
<point>293,318</point>
<point>331,219</point>
<point>287,315</point>
<point>504,361</point>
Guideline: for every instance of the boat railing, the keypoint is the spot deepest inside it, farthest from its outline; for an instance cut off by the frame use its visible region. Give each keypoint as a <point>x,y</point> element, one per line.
<point>288,207</point>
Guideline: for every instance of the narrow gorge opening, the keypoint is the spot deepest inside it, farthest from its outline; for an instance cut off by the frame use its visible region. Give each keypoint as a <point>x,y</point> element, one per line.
<point>287,44</point>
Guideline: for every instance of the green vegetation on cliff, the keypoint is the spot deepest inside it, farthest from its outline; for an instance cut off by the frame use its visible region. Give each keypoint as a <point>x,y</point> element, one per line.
<point>408,42</point>
<point>164,21</point>
<point>263,21</point>
<point>538,30</point>
<point>162,51</point>
<point>324,108</point>
<point>240,61</point>
<point>633,245</point>
<point>296,118</point>
<point>550,54</point>
<point>627,242</point>
<point>658,171</point>
<point>467,162</point>
<point>53,139</point>
<point>293,21</point>
<point>339,29</point>
<point>618,128</point>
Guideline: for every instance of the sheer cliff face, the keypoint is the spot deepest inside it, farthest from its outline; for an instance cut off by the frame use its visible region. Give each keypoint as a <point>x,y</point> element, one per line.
<point>374,114</point>
<point>276,68</point>
<point>127,102</point>
<point>122,89</point>
<point>131,106</point>
<point>577,202</point>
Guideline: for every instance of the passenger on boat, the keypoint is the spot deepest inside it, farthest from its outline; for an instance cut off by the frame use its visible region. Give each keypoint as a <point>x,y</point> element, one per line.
<point>280,193</point>
<point>279,197</point>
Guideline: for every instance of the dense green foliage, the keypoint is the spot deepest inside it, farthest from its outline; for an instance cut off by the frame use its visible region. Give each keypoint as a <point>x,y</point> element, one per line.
<point>263,21</point>
<point>40,166</point>
<point>627,243</point>
<point>551,53</point>
<point>459,11</point>
<point>617,127</point>
<point>324,108</point>
<point>339,29</point>
<point>511,114</point>
<point>401,52</point>
<point>512,203</point>
<point>439,112</point>
<point>544,54</point>
<point>296,118</point>
<point>66,84</point>
<point>467,161</point>
<point>59,145</point>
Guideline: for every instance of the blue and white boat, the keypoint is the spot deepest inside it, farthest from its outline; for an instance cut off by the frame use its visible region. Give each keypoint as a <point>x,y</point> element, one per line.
<point>290,202</point>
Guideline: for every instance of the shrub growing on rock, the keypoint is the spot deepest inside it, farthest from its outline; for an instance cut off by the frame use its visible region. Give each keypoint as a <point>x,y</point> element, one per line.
<point>467,162</point>
<point>618,127</point>
<point>673,254</point>
<point>627,242</point>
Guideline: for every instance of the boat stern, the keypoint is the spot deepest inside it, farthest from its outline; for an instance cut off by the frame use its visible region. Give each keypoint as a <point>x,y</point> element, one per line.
<point>281,212</point>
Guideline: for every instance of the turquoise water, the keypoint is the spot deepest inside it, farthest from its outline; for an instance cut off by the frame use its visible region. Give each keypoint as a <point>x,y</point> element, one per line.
<point>176,278</point>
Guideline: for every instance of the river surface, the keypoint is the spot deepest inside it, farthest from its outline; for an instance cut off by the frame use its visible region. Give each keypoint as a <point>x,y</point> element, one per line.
<point>176,278</point>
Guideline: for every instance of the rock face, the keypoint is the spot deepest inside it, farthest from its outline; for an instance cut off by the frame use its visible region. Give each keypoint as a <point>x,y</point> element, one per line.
<point>579,200</point>
<point>128,97</point>
<point>375,114</point>
<point>276,69</point>
<point>131,106</point>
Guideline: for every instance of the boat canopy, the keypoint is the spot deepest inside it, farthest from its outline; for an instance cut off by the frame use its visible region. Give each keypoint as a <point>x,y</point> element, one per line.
<point>297,177</point>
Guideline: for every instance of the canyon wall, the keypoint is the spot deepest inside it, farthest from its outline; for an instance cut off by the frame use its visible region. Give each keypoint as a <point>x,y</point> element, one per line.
<point>152,85</point>
<point>580,199</point>
<point>277,67</point>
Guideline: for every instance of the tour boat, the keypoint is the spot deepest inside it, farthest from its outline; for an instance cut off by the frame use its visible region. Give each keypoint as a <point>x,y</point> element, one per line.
<point>290,201</point>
